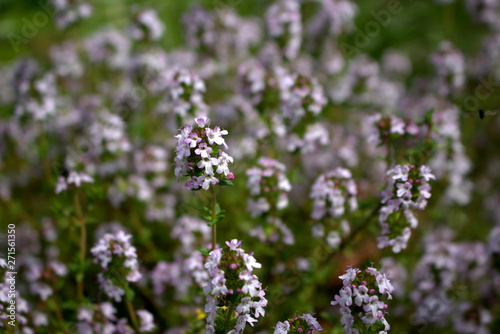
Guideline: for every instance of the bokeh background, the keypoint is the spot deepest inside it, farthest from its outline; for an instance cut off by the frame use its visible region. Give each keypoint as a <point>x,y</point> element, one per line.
<point>417,31</point>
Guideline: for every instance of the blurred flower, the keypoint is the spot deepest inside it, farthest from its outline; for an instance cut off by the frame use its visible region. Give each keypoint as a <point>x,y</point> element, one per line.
<point>118,260</point>
<point>146,321</point>
<point>147,26</point>
<point>284,25</point>
<point>269,187</point>
<point>306,324</point>
<point>68,12</point>
<point>407,190</point>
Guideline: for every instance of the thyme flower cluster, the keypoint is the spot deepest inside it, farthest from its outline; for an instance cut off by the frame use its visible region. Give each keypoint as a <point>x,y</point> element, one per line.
<point>201,155</point>
<point>330,193</point>
<point>360,301</point>
<point>407,190</point>
<point>234,295</point>
<point>269,187</point>
<point>118,259</point>
<point>306,324</point>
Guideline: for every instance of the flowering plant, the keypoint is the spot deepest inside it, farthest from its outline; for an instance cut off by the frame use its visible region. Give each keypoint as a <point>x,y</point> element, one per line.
<point>233,286</point>
<point>201,155</point>
<point>361,301</point>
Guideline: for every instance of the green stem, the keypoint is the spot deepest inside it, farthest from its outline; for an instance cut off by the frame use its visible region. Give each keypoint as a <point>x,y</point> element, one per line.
<point>139,227</point>
<point>83,243</point>
<point>353,235</point>
<point>229,314</point>
<point>59,314</point>
<point>449,19</point>
<point>388,157</point>
<point>130,309</point>
<point>214,206</point>
<point>427,148</point>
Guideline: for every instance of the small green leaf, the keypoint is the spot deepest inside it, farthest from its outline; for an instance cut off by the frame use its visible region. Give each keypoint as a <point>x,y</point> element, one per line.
<point>204,251</point>
<point>207,218</point>
<point>226,183</point>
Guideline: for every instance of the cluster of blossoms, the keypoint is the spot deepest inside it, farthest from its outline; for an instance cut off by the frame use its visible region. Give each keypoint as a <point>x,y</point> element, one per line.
<point>64,58</point>
<point>68,12</point>
<point>187,269</point>
<point>362,295</point>
<point>13,307</point>
<point>384,128</point>
<point>284,25</point>
<point>108,47</point>
<point>201,155</point>
<point>118,259</point>
<point>147,26</point>
<point>76,178</point>
<point>330,192</point>
<point>186,94</point>
<point>42,278</point>
<point>486,11</point>
<point>336,15</point>
<point>301,96</point>
<point>224,37</point>
<point>407,190</point>
<point>305,324</point>
<point>36,91</point>
<point>449,63</point>
<point>101,318</point>
<point>183,273</point>
<point>107,134</point>
<point>273,231</point>
<point>269,187</point>
<point>451,268</point>
<point>262,90</point>
<point>232,288</point>
<point>151,162</point>
<point>451,162</point>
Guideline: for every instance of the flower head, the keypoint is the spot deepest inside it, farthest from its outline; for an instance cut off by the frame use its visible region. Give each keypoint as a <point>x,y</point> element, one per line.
<point>360,299</point>
<point>407,190</point>
<point>115,254</point>
<point>201,155</point>
<point>233,283</point>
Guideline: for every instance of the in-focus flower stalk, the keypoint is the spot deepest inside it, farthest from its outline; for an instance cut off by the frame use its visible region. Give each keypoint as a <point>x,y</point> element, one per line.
<point>214,206</point>
<point>131,312</point>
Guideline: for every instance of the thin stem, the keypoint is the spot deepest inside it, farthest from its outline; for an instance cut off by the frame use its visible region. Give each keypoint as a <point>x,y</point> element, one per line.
<point>359,229</point>
<point>214,205</point>
<point>140,229</point>
<point>77,205</point>
<point>389,153</point>
<point>131,312</point>
<point>83,243</point>
<point>427,149</point>
<point>229,313</point>
<point>59,314</point>
<point>449,19</point>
